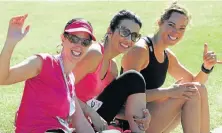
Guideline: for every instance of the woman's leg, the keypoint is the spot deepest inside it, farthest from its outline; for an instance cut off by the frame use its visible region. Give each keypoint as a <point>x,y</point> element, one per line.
<point>134,106</point>
<point>128,88</point>
<point>163,112</point>
<point>205,115</point>
<point>205,121</point>
<point>175,122</point>
<point>190,115</point>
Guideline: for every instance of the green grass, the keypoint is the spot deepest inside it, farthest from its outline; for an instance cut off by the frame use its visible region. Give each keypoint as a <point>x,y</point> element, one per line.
<point>47,20</point>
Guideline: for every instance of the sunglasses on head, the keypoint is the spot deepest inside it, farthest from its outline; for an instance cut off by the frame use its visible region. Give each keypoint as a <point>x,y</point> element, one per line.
<point>124,32</point>
<point>75,39</point>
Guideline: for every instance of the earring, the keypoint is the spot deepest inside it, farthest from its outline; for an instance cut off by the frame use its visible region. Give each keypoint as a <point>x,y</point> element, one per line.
<point>59,47</point>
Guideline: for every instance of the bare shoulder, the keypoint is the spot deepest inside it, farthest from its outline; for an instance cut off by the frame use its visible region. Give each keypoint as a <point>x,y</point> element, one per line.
<point>140,46</point>
<point>114,68</point>
<point>139,50</point>
<point>34,61</point>
<point>137,57</point>
<point>113,62</point>
<point>172,57</point>
<point>94,51</point>
<point>170,52</point>
<point>92,58</point>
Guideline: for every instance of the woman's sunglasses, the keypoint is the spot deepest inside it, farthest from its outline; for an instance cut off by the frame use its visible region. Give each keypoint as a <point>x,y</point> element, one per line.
<point>124,32</point>
<point>75,39</point>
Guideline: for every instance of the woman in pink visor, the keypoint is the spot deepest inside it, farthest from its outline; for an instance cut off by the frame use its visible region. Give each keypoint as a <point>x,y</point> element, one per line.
<point>48,102</point>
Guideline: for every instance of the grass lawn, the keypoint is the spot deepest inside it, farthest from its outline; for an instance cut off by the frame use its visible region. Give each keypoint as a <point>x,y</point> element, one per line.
<point>47,20</point>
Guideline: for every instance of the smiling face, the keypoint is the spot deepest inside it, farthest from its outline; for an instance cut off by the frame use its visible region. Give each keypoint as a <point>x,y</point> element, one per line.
<point>125,35</point>
<point>75,45</point>
<point>172,29</point>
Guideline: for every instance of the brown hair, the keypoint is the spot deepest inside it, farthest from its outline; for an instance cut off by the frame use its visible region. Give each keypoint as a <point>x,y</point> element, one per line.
<point>174,7</point>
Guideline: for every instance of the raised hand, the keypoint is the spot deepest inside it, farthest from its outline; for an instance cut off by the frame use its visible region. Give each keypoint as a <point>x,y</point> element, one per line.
<point>209,58</point>
<point>15,33</point>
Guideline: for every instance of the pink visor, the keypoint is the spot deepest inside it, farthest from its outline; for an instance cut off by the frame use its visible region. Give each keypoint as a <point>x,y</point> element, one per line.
<point>80,26</point>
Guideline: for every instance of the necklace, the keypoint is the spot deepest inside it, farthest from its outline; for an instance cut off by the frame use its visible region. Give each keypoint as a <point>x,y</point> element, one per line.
<point>65,123</point>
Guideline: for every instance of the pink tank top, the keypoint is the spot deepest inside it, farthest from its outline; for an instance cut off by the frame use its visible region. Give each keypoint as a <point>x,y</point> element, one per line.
<point>45,97</point>
<point>91,85</point>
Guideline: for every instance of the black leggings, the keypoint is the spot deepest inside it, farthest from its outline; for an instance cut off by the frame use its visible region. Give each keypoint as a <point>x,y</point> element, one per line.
<point>55,131</point>
<point>116,93</point>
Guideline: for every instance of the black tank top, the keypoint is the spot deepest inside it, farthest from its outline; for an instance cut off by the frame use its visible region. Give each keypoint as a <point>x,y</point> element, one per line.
<point>155,73</point>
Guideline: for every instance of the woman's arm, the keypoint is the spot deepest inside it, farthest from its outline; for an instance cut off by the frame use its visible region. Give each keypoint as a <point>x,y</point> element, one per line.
<point>178,71</point>
<point>155,94</point>
<point>79,120</point>
<point>98,122</point>
<point>89,63</point>
<point>29,68</point>
<point>137,57</point>
<point>25,70</point>
<point>85,108</point>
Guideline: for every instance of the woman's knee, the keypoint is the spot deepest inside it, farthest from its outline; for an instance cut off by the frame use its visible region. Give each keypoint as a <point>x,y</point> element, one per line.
<point>195,98</point>
<point>202,90</point>
<point>135,81</point>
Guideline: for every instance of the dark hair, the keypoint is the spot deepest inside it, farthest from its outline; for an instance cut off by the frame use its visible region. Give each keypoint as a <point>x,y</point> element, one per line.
<point>121,15</point>
<point>174,7</point>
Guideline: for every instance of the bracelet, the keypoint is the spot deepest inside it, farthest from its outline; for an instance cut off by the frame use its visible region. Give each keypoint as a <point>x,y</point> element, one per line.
<point>207,71</point>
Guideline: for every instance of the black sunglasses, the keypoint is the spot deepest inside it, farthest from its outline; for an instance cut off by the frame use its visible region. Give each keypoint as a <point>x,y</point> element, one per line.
<point>124,32</point>
<point>75,39</point>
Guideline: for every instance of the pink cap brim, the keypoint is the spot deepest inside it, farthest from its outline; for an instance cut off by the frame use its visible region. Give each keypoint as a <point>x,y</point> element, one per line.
<point>81,30</point>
